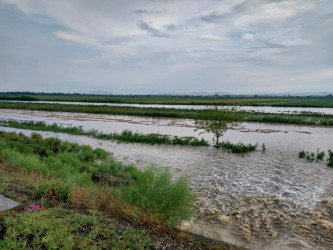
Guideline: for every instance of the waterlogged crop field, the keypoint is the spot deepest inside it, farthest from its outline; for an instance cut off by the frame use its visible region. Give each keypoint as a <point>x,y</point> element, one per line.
<point>266,199</point>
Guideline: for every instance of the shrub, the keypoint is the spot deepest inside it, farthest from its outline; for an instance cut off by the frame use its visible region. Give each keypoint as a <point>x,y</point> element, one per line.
<point>156,193</point>
<point>320,155</point>
<point>301,154</point>
<point>239,147</point>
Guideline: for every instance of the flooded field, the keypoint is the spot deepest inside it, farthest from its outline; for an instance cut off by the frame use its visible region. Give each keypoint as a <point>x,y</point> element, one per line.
<point>260,200</point>
<point>264,109</point>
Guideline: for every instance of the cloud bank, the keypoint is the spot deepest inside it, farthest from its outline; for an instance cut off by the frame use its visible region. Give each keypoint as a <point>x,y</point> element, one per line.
<point>169,46</point>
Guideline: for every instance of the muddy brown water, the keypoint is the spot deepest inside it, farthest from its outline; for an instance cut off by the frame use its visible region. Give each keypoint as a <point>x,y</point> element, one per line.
<point>261,200</point>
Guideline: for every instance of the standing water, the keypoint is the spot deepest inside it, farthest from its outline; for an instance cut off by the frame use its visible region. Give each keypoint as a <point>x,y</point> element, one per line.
<point>261,200</point>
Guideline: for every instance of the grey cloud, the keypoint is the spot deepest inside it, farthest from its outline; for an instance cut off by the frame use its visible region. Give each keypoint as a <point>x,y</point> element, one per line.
<point>239,9</point>
<point>212,18</point>
<point>171,27</point>
<point>150,12</point>
<point>118,40</point>
<point>155,32</point>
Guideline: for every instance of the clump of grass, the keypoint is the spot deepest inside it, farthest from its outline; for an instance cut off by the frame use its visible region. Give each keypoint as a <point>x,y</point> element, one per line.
<point>52,191</point>
<point>156,193</point>
<point>239,147</point>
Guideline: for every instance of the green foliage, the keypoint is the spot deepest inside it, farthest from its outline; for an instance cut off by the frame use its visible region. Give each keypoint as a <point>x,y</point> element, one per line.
<point>217,121</point>
<point>300,118</point>
<point>151,191</point>
<point>125,135</point>
<point>156,193</point>
<point>301,154</point>
<point>63,229</point>
<point>330,158</point>
<point>239,147</point>
<point>263,147</point>
<point>320,155</point>
<point>52,191</point>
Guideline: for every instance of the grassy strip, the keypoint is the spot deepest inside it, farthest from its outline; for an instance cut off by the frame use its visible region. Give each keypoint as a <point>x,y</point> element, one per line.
<point>183,100</point>
<point>239,147</point>
<point>72,167</point>
<point>304,118</point>
<point>62,228</point>
<point>125,135</point>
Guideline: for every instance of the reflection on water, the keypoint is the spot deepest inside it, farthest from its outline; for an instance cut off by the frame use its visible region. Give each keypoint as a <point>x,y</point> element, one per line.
<point>272,195</point>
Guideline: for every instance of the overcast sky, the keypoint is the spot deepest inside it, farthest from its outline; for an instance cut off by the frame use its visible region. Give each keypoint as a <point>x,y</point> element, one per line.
<point>166,46</point>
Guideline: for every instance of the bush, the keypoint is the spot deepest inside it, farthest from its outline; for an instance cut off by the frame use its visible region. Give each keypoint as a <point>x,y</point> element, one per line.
<point>301,154</point>
<point>155,193</point>
<point>320,155</point>
<point>239,147</point>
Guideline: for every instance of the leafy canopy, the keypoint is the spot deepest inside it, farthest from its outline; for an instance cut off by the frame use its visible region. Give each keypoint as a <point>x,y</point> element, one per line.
<point>217,120</point>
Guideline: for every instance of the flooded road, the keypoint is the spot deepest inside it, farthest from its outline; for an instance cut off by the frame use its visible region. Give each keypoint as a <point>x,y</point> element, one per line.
<point>261,200</point>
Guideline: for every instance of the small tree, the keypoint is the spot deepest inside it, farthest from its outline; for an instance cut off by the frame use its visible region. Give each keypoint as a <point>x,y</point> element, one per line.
<point>217,120</point>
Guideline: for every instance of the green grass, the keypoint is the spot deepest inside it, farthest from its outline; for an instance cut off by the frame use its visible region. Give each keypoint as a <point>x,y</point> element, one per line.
<point>303,118</point>
<point>58,228</point>
<point>69,166</point>
<point>182,100</point>
<point>125,135</point>
<point>239,147</point>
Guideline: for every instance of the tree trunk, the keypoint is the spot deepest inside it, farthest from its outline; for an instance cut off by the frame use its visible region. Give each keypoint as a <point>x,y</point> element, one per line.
<point>217,142</point>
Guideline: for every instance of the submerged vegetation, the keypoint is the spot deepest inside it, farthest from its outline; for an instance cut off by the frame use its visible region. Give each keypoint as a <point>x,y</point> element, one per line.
<point>330,158</point>
<point>239,147</point>
<point>125,135</point>
<point>300,118</point>
<point>319,156</point>
<point>86,199</point>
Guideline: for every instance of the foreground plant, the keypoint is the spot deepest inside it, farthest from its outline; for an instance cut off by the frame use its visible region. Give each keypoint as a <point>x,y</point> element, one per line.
<point>69,167</point>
